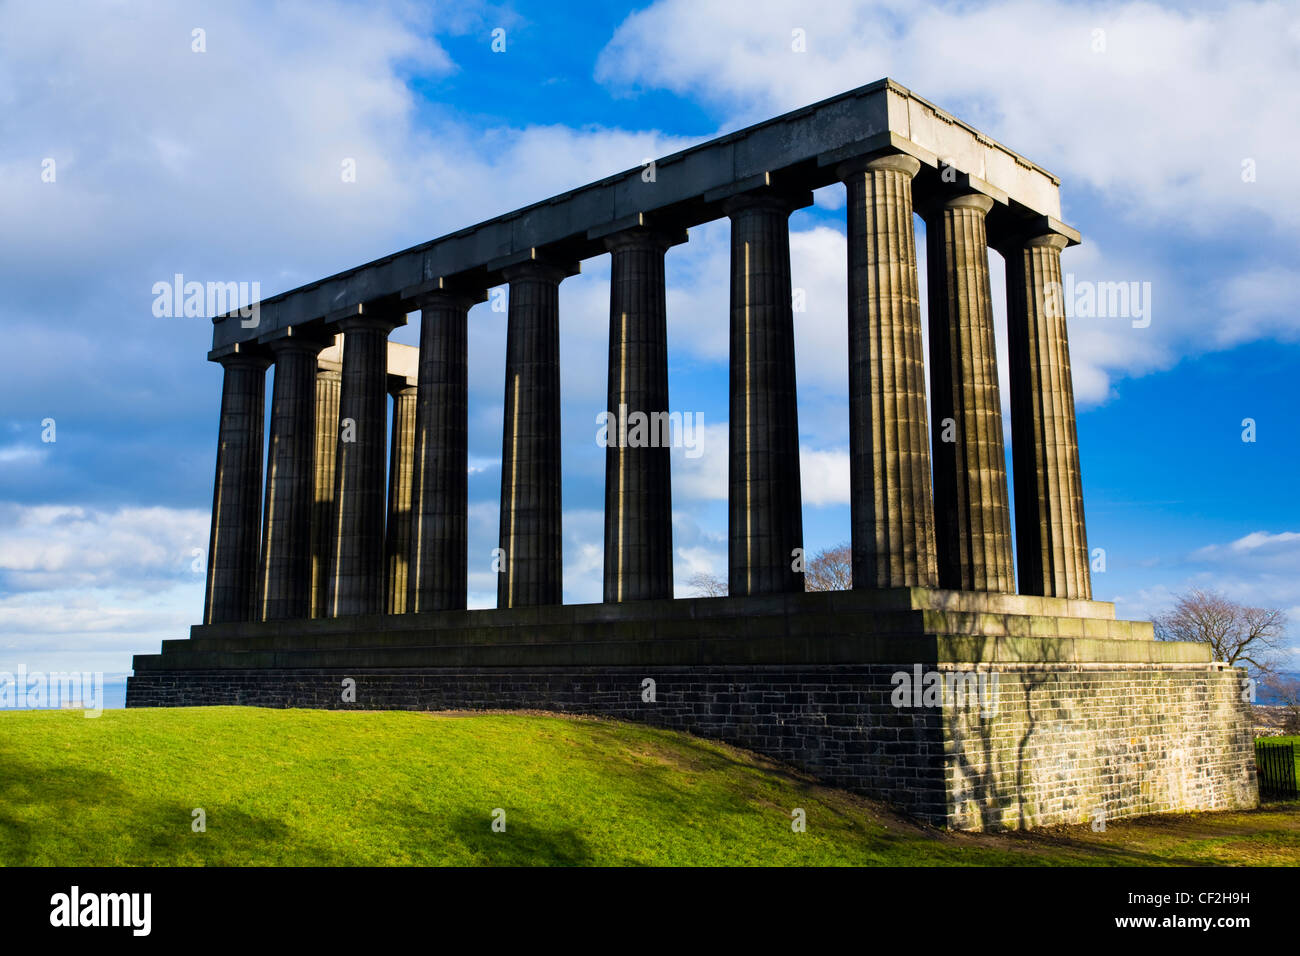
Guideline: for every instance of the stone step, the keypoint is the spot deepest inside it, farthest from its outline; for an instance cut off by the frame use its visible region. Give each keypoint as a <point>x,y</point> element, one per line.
<point>326,635</point>
<point>744,649</point>
<point>689,609</point>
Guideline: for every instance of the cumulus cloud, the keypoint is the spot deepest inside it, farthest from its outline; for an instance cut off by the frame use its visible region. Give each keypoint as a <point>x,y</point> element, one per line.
<point>1068,105</point>
<point>1104,101</point>
<point>84,588</point>
<point>58,547</point>
<point>824,476</point>
<point>1263,550</point>
<point>1261,568</point>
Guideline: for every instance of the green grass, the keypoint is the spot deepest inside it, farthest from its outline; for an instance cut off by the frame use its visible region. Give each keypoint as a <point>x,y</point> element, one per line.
<point>324,787</point>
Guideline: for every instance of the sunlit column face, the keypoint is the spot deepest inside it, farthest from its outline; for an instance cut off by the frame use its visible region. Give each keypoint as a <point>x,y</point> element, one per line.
<point>765,521</point>
<point>531,516</point>
<point>890,502</point>
<point>638,495</point>
<point>972,512</point>
<point>1051,534</point>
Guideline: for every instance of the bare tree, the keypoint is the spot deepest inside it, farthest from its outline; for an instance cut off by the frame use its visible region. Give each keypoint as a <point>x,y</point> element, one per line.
<point>830,570</point>
<point>1235,633</point>
<point>708,585</point>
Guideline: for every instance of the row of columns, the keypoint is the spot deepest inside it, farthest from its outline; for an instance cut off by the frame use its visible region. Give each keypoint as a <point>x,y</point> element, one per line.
<point>335,542</point>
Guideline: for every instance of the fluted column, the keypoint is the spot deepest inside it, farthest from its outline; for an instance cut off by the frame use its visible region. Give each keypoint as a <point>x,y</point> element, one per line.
<point>328,385</point>
<point>764,503</point>
<point>231,590</point>
<point>972,514</point>
<point>439,533</point>
<point>638,473</point>
<point>401,480</point>
<point>357,564</point>
<point>1051,536</point>
<point>530,535</point>
<point>285,579</point>
<point>889,462</point>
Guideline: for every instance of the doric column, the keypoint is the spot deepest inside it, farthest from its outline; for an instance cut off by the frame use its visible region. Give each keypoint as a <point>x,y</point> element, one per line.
<point>764,504</point>
<point>531,569</point>
<point>357,564</point>
<point>1051,537</point>
<point>401,480</point>
<point>439,532</point>
<point>972,515</point>
<point>328,384</point>
<point>237,492</point>
<point>638,473</point>
<point>285,576</point>
<point>889,461</point>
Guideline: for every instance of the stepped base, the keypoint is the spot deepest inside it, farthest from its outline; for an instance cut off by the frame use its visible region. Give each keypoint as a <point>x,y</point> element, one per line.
<point>970,711</point>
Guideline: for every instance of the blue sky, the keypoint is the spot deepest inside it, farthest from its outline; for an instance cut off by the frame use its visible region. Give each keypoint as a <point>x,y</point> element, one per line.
<point>224,165</point>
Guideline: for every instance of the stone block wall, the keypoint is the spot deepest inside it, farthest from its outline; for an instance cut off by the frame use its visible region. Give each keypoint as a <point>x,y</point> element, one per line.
<point>1063,741</point>
<point>1086,743</point>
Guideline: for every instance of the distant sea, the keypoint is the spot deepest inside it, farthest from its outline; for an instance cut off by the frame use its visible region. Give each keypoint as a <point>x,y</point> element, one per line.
<point>114,696</point>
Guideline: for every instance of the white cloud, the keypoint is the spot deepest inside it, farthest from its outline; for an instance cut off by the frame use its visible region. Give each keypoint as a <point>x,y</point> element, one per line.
<point>1262,549</point>
<point>1117,119</point>
<point>824,476</point>
<point>1116,125</point>
<point>703,478</point>
<point>696,550</point>
<point>584,556</point>
<point>56,547</point>
<point>85,588</point>
<point>1260,569</point>
<point>1259,304</point>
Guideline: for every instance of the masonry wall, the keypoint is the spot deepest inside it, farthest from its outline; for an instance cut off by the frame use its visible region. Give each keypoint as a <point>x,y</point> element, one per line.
<point>1129,739</point>
<point>1095,742</point>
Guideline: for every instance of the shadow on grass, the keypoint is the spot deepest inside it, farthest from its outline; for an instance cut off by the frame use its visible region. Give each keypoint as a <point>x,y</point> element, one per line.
<point>95,820</point>
<point>523,842</point>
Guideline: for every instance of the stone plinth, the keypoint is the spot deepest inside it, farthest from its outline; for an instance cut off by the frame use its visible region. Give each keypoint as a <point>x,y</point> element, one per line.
<point>1086,715</point>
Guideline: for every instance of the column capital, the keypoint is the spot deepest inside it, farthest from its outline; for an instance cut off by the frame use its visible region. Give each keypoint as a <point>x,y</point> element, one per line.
<point>537,269</point>
<point>955,198</point>
<point>310,344</point>
<point>534,263</point>
<point>1052,240</point>
<point>782,200</point>
<point>244,356</point>
<point>1041,231</point>
<point>449,298</point>
<point>894,161</point>
<point>446,292</point>
<point>644,237</point>
<point>385,316</point>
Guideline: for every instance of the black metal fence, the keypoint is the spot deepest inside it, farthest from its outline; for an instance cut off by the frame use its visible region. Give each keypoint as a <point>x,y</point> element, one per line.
<point>1275,762</point>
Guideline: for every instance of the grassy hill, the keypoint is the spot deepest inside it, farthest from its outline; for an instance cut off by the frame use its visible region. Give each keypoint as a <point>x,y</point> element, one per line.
<point>324,787</point>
